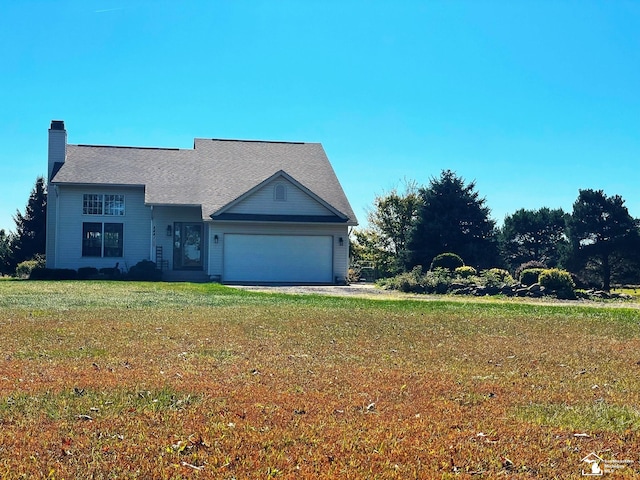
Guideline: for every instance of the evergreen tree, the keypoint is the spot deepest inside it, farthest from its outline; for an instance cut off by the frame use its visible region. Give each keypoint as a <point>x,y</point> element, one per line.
<point>452,218</point>
<point>6,259</point>
<point>534,235</point>
<point>30,237</point>
<point>604,237</point>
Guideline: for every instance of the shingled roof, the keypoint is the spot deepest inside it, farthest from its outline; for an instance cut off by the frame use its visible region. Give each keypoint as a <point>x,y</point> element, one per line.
<point>212,175</point>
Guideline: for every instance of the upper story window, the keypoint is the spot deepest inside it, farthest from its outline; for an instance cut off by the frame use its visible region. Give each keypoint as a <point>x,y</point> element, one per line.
<point>280,193</point>
<point>114,204</point>
<point>92,204</point>
<point>98,204</point>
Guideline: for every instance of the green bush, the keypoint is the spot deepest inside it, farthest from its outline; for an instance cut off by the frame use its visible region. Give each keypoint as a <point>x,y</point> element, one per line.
<point>450,261</point>
<point>144,270</point>
<point>530,276</point>
<point>528,265</point>
<point>502,275</point>
<point>494,280</point>
<point>408,282</point>
<point>465,271</point>
<point>438,281</point>
<point>559,282</point>
<point>24,269</point>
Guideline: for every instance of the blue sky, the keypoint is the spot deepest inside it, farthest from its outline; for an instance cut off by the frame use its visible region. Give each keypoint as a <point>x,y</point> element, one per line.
<point>532,99</point>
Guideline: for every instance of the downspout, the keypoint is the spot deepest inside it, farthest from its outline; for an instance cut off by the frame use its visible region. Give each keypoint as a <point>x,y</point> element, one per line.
<point>153,238</point>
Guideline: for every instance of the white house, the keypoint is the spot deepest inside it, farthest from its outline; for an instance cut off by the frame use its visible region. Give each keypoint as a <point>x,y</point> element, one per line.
<point>225,210</point>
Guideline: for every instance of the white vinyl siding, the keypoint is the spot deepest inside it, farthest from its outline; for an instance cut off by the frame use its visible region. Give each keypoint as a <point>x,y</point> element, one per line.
<point>278,258</point>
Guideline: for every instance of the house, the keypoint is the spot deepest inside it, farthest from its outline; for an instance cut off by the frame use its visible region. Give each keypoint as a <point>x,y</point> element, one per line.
<point>225,210</point>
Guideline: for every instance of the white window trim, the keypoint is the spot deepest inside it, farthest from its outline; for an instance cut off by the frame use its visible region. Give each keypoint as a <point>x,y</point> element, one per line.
<point>103,201</point>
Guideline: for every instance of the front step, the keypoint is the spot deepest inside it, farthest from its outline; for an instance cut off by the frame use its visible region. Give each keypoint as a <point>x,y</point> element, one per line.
<point>185,276</point>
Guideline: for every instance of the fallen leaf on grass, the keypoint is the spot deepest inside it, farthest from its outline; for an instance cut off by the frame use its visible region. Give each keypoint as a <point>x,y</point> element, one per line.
<point>194,467</point>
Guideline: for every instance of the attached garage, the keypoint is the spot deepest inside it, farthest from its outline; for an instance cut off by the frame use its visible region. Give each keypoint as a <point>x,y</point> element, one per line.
<point>278,258</point>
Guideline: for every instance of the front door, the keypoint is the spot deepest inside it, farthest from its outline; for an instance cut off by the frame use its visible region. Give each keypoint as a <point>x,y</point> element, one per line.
<point>187,246</point>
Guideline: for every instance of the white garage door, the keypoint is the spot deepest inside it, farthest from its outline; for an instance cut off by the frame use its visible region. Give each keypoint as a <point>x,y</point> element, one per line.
<point>278,258</point>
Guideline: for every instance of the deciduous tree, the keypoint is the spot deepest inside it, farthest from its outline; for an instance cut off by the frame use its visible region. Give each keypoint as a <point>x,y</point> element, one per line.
<point>391,219</point>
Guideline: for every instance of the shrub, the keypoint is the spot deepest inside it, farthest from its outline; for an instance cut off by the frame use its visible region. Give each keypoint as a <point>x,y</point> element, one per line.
<point>85,273</point>
<point>559,282</point>
<point>528,265</point>
<point>438,281</point>
<point>502,275</point>
<point>494,280</point>
<point>408,282</point>
<point>40,273</point>
<point>450,261</point>
<point>111,272</point>
<point>145,270</point>
<point>466,271</point>
<point>353,274</point>
<point>530,276</point>
<point>24,269</point>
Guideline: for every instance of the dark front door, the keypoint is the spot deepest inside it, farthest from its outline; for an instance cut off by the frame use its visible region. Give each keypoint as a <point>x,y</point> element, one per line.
<point>187,246</point>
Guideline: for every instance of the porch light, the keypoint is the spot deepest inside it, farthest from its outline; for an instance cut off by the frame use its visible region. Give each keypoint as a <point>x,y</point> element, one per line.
<point>341,241</point>
<point>215,239</point>
<point>169,231</point>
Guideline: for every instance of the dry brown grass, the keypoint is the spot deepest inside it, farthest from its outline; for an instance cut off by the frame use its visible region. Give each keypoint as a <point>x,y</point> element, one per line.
<point>192,381</point>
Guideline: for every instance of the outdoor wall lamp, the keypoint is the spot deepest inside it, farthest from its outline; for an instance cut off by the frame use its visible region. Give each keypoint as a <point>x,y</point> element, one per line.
<point>341,241</point>
<point>215,239</point>
<point>169,231</point>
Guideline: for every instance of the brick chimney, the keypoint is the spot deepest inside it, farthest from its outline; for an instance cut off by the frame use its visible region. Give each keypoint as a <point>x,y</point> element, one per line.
<point>57,147</point>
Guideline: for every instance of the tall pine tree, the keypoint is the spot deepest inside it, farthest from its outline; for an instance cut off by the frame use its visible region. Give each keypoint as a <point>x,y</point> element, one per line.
<point>604,237</point>
<point>30,237</point>
<point>453,218</point>
<point>6,259</point>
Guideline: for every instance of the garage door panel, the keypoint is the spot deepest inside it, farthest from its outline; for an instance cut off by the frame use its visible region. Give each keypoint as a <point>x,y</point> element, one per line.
<point>278,258</point>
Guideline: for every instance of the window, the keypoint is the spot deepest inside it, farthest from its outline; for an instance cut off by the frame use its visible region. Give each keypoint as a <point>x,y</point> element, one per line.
<point>102,239</point>
<point>280,193</point>
<point>113,240</point>
<point>92,204</point>
<point>98,204</point>
<point>91,239</point>
<point>114,204</point>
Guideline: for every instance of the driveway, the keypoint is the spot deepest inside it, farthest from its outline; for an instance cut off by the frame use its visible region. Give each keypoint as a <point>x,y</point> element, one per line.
<point>356,289</point>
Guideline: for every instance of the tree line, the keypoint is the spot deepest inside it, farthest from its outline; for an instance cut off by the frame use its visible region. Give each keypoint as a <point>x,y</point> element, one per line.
<point>598,241</point>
